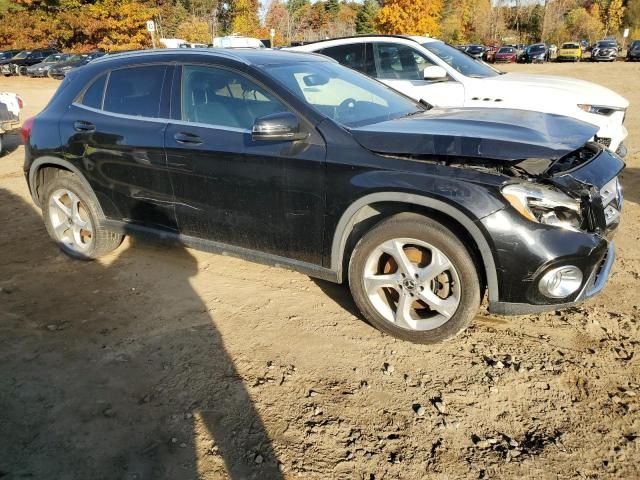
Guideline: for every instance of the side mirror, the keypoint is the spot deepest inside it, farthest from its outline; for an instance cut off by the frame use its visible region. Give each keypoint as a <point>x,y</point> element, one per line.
<point>278,127</point>
<point>434,72</point>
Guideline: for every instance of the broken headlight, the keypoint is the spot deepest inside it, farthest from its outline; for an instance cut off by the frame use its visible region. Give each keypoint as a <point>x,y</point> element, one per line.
<point>545,205</point>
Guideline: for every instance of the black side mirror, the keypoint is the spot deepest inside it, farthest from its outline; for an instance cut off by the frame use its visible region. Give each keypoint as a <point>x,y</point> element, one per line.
<point>278,127</point>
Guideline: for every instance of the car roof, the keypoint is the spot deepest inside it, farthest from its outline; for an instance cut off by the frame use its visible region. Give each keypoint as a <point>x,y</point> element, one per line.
<point>375,36</point>
<point>248,56</point>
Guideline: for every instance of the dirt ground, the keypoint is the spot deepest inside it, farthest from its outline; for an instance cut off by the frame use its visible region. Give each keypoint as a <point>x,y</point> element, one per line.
<point>168,363</point>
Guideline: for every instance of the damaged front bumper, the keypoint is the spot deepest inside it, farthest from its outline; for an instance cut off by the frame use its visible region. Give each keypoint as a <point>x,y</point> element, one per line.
<point>544,249</point>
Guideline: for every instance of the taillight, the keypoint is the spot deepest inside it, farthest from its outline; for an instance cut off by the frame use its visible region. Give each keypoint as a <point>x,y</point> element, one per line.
<point>20,102</point>
<point>25,132</point>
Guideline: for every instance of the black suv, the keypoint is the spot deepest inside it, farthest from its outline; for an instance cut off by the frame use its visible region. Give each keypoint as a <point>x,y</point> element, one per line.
<point>291,159</point>
<point>19,63</point>
<point>633,52</point>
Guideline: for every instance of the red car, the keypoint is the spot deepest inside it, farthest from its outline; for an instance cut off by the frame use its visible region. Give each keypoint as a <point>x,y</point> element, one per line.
<point>505,55</point>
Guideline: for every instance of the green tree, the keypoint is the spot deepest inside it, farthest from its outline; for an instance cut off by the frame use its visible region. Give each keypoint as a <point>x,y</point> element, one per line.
<point>332,7</point>
<point>365,20</point>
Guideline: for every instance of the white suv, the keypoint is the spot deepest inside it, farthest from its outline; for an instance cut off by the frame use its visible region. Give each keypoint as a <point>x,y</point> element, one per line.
<point>432,71</point>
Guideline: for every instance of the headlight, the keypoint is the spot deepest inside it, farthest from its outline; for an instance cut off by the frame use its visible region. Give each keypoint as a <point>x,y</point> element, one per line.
<point>545,205</point>
<point>599,109</point>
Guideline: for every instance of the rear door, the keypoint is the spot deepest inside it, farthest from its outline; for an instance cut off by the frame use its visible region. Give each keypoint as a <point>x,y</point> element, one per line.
<point>116,128</point>
<point>260,195</point>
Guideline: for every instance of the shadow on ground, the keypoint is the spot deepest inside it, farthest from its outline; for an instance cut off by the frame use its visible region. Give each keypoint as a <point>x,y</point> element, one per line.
<point>115,369</point>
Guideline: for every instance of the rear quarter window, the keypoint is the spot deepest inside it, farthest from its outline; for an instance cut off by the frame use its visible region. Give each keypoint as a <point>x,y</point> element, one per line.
<point>93,95</point>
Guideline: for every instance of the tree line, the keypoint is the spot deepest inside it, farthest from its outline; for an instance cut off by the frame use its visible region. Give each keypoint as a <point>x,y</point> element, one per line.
<point>112,25</point>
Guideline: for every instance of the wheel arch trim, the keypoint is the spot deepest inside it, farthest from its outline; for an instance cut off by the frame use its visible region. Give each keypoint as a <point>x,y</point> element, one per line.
<point>347,220</point>
<point>59,162</point>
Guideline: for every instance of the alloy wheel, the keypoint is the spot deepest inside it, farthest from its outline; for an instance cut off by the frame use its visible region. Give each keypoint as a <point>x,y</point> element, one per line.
<point>412,284</point>
<point>70,220</point>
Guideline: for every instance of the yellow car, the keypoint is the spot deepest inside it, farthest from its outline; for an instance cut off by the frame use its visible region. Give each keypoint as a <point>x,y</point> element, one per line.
<point>569,51</point>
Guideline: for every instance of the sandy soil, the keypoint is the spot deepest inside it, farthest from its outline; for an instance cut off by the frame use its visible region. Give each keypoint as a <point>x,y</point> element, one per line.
<point>167,363</point>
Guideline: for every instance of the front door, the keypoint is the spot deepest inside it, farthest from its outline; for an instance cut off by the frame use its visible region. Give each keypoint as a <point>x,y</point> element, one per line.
<point>260,195</point>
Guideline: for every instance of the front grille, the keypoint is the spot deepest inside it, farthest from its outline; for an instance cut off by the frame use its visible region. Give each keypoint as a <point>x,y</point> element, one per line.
<point>611,196</point>
<point>574,159</point>
<point>603,141</point>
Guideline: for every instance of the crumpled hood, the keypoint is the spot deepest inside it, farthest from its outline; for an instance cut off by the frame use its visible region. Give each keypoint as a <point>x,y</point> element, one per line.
<point>564,87</point>
<point>499,134</point>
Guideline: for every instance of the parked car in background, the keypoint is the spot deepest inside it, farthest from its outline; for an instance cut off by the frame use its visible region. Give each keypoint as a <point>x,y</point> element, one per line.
<point>569,52</point>
<point>633,52</point>
<point>604,51</point>
<point>553,51</point>
<point>7,54</point>
<point>237,41</point>
<point>19,63</point>
<point>42,69</point>
<point>506,55</point>
<point>476,51</point>
<point>490,53</point>
<point>420,211</point>
<point>536,53</point>
<point>10,107</point>
<point>59,70</point>
<point>428,69</point>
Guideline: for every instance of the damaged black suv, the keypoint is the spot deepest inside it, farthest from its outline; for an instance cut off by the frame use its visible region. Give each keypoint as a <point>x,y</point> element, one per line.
<point>293,160</point>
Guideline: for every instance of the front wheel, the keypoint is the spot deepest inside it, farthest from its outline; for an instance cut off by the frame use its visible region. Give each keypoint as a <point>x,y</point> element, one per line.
<point>412,278</point>
<point>73,217</point>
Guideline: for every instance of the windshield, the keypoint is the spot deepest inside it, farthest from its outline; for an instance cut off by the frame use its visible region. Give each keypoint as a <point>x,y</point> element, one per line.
<point>506,50</point>
<point>53,58</point>
<point>605,44</point>
<point>475,49</point>
<point>75,58</point>
<point>342,94</point>
<point>570,45</point>
<point>460,61</point>
<point>536,48</point>
<point>22,55</point>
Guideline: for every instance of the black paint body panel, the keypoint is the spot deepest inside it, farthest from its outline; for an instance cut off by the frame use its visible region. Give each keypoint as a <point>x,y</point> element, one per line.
<point>286,199</point>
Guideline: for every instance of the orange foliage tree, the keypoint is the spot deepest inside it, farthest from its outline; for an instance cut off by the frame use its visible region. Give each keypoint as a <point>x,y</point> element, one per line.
<point>410,17</point>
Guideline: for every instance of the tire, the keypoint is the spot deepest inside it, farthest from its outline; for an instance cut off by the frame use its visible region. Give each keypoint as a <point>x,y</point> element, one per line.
<point>84,237</point>
<point>378,284</point>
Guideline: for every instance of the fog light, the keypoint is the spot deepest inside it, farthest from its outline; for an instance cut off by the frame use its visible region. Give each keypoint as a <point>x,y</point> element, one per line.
<point>560,282</point>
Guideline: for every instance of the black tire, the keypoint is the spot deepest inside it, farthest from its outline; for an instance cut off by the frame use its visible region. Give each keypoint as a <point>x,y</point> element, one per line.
<point>419,227</point>
<point>103,241</point>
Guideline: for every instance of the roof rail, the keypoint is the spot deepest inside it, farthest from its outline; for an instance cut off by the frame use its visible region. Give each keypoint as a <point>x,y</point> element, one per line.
<point>363,35</point>
<point>219,52</point>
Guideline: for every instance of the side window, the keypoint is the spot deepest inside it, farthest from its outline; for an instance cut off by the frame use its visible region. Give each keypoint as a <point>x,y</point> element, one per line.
<point>135,91</point>
<point>216,96</point>
<point>351,56</point>
<point>93,95</point>
<point>394,61</point>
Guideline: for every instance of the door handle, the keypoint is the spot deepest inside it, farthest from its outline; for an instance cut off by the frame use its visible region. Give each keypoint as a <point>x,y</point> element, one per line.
<point>188,138</point>
<point>82,126</point>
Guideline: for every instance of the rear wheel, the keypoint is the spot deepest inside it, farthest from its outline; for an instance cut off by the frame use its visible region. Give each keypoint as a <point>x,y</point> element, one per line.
<point>412,278</point>
<point>73,217</point>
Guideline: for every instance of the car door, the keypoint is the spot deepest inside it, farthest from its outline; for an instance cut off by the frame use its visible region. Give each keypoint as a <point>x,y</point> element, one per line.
<point>261,195</point>
<point>116,130</point>
<point>402,67</point>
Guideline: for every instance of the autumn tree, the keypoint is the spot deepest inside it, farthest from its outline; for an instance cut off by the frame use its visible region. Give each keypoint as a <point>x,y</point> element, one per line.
<point>365,19</point>
<point>411,17</point>
<point>194,29</point>
<point>583,25</point>
<point>277,17</point>
<point>611,12</point>
<point>244,17</point>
